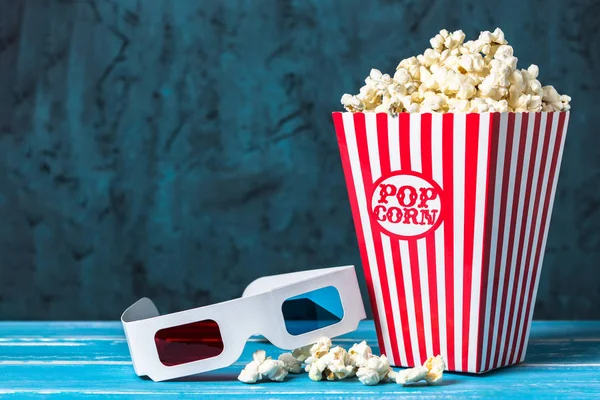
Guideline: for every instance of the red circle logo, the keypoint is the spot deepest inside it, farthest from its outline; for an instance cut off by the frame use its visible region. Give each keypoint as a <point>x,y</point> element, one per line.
<point>406,204</point>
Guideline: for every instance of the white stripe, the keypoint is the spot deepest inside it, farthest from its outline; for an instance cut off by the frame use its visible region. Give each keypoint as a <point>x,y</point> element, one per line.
<point>494,239</point>
<point>536,225</point>
<point>505,267</point>
<point>416,164</point>
<point>348,119</point>
<point>519,228</point>
<point>389,266</point>
<point>422,257</point>
<point>548,215</point>
<point>373,144</point>
<point>415,142</point>
<point>528,233</point>
<point>436,155</point>
<point>459,229</point>
<point>410,303</point>
<point>393,145</point>
<point>480,199</point>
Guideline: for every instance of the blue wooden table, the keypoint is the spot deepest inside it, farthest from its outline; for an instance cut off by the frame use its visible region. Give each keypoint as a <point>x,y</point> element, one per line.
<point>91,360</point>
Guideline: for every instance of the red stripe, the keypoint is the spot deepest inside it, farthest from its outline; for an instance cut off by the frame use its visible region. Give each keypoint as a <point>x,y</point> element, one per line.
<point>363,155</point>
<point>427,170</point>
<point>448,193</point>
<point>405,161</point>
<point>543,232</point>
<point>516,189</point>
<point>384,159</point>
<point>341,137</point>
<point>471,150</point>
<point>489,212</point>
<point>501,223</point>
<point>530,183</point>
<point>530,268</point>
<point>513,233</point>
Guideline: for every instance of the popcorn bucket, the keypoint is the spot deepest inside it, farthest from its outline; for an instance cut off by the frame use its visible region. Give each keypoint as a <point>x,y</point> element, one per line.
<point>452,214</point>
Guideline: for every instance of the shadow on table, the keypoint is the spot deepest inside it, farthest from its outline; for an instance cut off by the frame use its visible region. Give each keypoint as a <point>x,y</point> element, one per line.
<point>214,376</point>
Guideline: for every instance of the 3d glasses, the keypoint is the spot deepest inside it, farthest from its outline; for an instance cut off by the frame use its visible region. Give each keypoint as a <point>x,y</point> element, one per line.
<point>290,310</point>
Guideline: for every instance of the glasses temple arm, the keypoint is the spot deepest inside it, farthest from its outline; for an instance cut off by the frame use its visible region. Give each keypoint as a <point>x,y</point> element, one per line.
<point>267,283</point>
<point>142,309</point>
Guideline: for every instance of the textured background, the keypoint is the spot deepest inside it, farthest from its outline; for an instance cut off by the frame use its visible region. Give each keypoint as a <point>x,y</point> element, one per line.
<point>179,149</point>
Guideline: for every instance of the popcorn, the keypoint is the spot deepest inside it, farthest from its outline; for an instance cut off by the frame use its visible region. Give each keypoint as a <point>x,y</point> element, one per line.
<point>436,367</point>
<point>456,76</point>
<point>411,375</point>
<point>320,348</point>
<point>261,366</point>
<point>379,364</point>
<point>375,370</point>
<point>315,368</point>
<point>368,376</point>
<point>335,363</point>
<point>360,353</point>
<point>273,369</point>
<point>302,353</point>
<point>290,363</point>
<point>432,372</point>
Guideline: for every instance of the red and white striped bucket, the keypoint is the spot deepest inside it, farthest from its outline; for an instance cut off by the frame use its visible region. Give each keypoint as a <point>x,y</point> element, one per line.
<point>452,213</point>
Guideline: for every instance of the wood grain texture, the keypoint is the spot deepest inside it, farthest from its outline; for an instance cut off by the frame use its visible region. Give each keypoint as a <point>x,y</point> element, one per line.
<point>180,149</point>
<point>91,359</point>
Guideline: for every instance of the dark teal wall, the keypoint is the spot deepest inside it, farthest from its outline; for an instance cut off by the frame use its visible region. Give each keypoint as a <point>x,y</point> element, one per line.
<point>178,149</point>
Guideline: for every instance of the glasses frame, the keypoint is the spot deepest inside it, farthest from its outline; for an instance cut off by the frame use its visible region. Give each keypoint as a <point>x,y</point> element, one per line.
<point>258,311</point>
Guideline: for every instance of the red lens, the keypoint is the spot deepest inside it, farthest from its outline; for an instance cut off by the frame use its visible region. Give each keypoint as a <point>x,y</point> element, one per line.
<point>190,342</point>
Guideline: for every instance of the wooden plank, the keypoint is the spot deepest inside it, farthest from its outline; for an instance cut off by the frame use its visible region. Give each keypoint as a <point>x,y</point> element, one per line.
<point>91,359</point>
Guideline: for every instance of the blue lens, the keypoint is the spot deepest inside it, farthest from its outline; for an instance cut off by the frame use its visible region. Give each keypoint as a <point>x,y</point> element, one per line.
<point>312,310</point>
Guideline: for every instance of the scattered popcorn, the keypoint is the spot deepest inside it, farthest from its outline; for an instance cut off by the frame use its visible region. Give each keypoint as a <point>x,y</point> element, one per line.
<point>436,367</point>
<point>250,373</point>
<point>432,372</point>
<point>411,375</point>
<point>375,367</point>
<point>259,356</point>
<point>338,370</point>
<point>359,353</point>
<point>273,369</point>
<point>302,353</point>
<point>260,366</point>
<point>290,363</point>
<point>320,348</point>
<point>368,376</point>
<point>456,76</point>
<point>315,368</point>
<point>335,364</point>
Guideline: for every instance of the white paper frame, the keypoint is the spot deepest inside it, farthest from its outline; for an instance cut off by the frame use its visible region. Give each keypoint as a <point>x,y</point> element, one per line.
<point>258,311</point>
